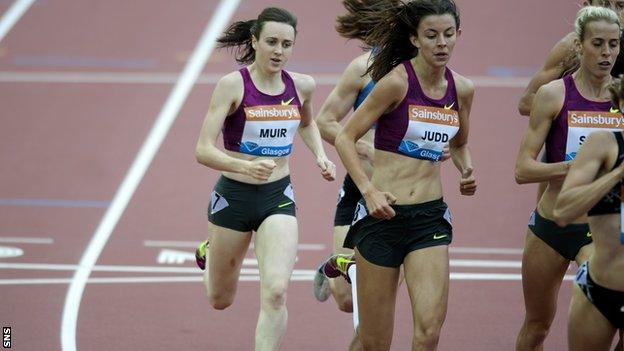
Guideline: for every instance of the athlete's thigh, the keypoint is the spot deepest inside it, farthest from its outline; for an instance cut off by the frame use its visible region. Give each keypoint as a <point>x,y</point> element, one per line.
<point>584,253</point>
<point>275,245</point>
<point>225,258</point>
<point>588,329</point>
<point>427,277</point>
<point>543,269</point>
<point>376,289</point>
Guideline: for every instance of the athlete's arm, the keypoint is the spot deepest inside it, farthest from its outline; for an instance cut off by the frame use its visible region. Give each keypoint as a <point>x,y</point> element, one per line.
<point>341,100</point>
<point>388,92</point>
<point>459,144</point>
<point>548,103</point>
<point>308,129</point>
<point>581,190</point>
<point>553,69</point>
<point>226,97</point>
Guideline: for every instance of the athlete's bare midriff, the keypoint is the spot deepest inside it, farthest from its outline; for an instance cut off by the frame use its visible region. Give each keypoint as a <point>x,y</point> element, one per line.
<point>546,204</point>
<point>410,180</point>
<point>606,265</point>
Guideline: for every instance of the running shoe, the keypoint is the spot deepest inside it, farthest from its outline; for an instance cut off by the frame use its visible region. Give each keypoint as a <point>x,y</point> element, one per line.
<point>338,265</point>
<point>320,284</point>
<point>200,254</point>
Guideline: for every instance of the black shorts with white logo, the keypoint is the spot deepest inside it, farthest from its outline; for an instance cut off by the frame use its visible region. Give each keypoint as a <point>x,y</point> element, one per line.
<point>567,241</point>
<point>387,242</point>
<point>347,200</point>
<point>243,207</point>
<point>609,302</point>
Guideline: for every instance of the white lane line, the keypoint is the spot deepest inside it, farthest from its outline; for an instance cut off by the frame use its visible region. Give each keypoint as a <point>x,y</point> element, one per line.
<point>193,245</point>
<point>22,240</point>
<point>13,14</point>
<point>493,276</point>
<point>157,134</point>
<point>127,269</point>
<point>207,79</point>
<point>161,269</point>
<point>485,263</point>
<point>243,278</point>
<point>486,250</point>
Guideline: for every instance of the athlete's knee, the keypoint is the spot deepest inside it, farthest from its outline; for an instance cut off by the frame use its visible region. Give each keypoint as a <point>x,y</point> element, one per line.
<point>426,337</point>
<point>274,296</point>
<point>344,302</point>
<point>535,332</point>
<point>220,301</point>
<point>370,343</point>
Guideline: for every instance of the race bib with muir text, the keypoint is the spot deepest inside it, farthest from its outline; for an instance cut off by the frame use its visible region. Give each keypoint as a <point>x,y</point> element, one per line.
<point>270,130</point>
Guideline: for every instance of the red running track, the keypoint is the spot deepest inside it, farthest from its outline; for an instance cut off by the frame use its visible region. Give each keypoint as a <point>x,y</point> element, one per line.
<point>68,135</point>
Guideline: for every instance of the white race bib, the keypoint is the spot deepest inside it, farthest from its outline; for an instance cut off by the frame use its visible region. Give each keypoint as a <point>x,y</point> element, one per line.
<point>270,130</point>
<point>429,130</point>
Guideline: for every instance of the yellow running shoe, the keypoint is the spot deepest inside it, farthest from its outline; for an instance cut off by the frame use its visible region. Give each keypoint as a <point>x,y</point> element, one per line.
<point>200,254</point>
<point>338,265</point>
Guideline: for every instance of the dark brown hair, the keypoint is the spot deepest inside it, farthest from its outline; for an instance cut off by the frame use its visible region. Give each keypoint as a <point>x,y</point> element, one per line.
<point>361,18</point>
<point>398,24</point>
<point>617,91</point>
<point>238,35</point>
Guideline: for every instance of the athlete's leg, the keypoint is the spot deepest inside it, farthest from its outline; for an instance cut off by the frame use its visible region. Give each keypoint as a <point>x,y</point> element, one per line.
<point>542,272</point>
<point>276,249</point>
<point>340,288</point>
<point>225,258</point>
<point>588,329</point>
<point>427,279</point>
<point>376,287</point>
<point>355,345</point>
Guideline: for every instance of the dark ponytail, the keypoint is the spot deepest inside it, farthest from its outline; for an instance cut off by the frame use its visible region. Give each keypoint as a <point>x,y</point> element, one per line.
<point>361,18</point>
<point>238,35</point>
<point>617,91</point>
<point>393,34</point>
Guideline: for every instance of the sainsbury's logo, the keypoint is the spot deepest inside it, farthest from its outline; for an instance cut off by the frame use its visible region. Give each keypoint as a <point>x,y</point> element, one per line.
<point>272,113</point>
<point>595,119</point>
<point>436,115</point>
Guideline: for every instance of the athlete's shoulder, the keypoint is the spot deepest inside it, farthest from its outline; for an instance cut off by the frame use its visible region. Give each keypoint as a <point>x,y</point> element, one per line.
<point>552,89</point>
<point>395,81</point>
<point>304,83</point>
<point>463,85</point>
<point>229,86</point>
<point>231,80</point>
<point>359,65</point>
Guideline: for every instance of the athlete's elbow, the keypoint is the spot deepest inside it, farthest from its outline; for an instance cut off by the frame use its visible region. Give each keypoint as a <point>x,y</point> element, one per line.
<point>560,216</point>
<point>520,175</point>
<point>201,155</point>
<point>523,108</point>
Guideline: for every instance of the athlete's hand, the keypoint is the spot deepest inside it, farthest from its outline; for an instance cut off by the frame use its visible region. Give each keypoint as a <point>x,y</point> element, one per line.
<point>446,153</point>
<point>468,183</point>
<point>378,204</point>
<point>328,169</point>
<point>260,169</point>
<point>365,150</point>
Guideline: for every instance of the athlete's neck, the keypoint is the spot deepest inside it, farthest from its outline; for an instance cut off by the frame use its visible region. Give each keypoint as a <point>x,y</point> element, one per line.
<point>592,86</point>
<point>265,81</point>
<point>428,75</point>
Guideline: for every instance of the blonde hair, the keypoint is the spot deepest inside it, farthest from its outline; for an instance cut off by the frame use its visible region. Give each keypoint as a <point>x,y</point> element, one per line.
<point>590,14</point>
